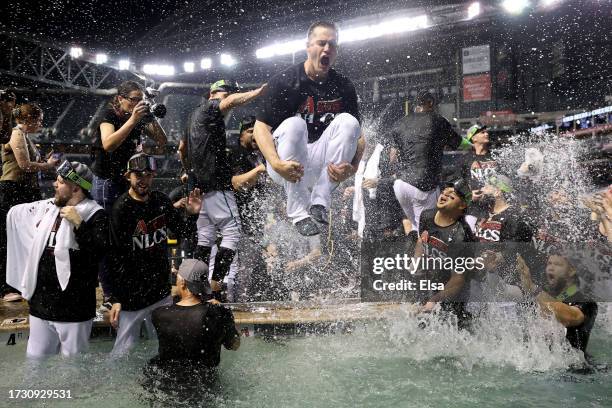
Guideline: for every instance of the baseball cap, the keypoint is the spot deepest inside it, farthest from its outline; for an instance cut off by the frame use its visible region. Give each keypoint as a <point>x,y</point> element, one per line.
<point>77,173</point>
<point>141,162</point>
<point>224,85</point>
<point>195,273</point>
<point>246,123</point>
<point>462,188</point>
<point>473,130</point>
<point>423,97</point>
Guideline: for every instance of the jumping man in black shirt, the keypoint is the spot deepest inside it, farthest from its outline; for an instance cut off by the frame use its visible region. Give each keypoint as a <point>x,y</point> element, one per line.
<point>140,274</point>
<point>308,130</point>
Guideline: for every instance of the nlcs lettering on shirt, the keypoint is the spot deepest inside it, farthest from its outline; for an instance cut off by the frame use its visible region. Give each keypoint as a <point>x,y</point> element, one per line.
<point>148,235</point>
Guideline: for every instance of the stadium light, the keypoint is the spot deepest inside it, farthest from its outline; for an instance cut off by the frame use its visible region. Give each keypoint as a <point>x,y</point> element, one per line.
<point>76,52</point>
<point>473,10</point>
<point>101,58</point>
<point>189,66</point>
<point>286,48</point>
<point>515,6</point>
<point>395,26</point>
<point>227,60</point>
<point>206,63</point>
<point>155,69</point>
<point>366,32</point>
<point>124,64</point>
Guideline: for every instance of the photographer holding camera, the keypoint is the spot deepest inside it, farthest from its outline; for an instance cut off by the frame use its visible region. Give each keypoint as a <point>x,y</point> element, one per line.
<point>127,118</point>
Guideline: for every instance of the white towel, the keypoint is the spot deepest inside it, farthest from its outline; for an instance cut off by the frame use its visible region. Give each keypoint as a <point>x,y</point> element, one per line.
<point>367,170</point>
<point>28,227</point>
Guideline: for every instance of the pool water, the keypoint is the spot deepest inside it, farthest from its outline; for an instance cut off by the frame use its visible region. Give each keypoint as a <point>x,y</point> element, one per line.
<point>386,364</point>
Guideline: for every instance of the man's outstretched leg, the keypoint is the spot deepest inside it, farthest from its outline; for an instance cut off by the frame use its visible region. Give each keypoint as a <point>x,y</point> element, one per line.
<point>291,139</point>
<point>337,145</point>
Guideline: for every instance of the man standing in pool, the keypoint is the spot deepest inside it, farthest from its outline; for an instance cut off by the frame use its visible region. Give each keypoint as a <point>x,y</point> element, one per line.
<point>562,298</point>
<point>139,281</point>
<point>52,257</point>
<point>308,130</point>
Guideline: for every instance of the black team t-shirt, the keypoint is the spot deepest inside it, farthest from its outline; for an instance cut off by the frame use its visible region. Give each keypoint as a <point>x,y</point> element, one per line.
<point>78,302</point>
<point>112,165</point>
<point>578,336</point>
<point>206,144</point>
<point>248,200</point>
<point>509,234</point>
<point>193,334</point>
<point>507,225</point>
<point>420,139</point>
<point>292,93</point>
<point>139,232</point>
<point>477,168</point>
<point>450,242</point>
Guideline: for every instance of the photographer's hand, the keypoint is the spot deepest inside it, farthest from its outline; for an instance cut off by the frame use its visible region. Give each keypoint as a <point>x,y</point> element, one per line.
<point>139,112</point>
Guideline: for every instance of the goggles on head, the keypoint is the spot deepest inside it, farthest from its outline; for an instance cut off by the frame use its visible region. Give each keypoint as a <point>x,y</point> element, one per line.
<point>68,173</point>
<point>142,162</point>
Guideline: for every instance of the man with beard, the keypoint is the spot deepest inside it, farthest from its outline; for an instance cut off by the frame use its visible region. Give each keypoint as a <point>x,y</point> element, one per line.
<point>52,257</point>
<point>444,235</point>
<point>478,166</point>
<point>418,141</point>
<point>563,299</point>
<point>140,278</point>
<point>309,131</point>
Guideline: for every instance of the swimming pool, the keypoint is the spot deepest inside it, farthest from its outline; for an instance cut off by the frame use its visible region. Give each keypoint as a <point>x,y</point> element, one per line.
<point>391,363</point>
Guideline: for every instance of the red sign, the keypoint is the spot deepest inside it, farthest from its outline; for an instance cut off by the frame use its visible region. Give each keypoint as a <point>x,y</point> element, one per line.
<point>477,88</point>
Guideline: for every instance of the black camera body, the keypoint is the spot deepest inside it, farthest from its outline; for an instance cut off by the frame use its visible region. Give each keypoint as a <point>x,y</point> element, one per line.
<point>156,110</point>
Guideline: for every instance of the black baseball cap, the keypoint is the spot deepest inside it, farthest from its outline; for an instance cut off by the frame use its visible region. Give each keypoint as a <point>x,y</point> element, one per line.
<point>462,188</point>
<point>424,97</point>
<point>246,123</point>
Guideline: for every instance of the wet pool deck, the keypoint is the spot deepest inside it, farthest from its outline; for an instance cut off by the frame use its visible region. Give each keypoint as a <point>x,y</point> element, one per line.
<point>271,318</point>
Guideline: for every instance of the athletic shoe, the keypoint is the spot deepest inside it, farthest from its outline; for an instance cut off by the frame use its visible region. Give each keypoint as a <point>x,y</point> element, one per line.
<point>12,297</point>
<point>307,227</point>
<point>319,213</point>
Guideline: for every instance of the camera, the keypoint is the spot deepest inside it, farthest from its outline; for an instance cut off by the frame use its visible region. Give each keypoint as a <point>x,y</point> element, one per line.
<point>156,110</point>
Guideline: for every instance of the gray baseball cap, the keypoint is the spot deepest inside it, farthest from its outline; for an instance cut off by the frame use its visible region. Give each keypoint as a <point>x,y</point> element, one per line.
<point>195,273</point>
